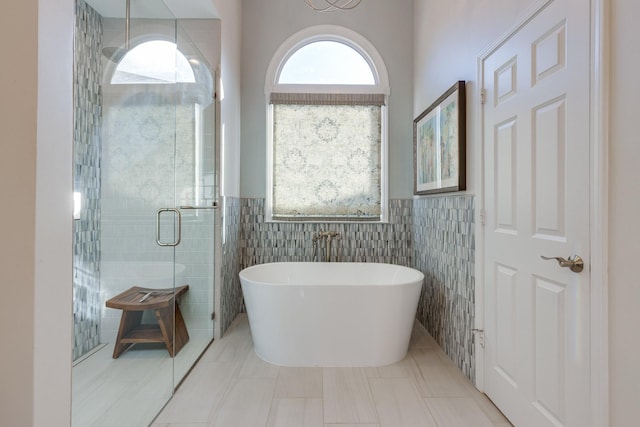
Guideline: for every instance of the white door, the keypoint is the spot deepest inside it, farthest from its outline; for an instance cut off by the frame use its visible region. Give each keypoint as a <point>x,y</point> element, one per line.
<point>536,178</point>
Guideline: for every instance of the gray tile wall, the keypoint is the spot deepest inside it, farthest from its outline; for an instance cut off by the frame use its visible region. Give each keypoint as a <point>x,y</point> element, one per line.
<point>249,240</point>
<point>87,148</point>
<point>263,242</point>
<point>444,241</point>
<point>231,293</point>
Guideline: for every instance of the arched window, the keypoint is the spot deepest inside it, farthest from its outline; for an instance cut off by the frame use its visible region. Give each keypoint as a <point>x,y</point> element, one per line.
<point>326,62</point>
<point>153,62</point>
<point>327,90</point>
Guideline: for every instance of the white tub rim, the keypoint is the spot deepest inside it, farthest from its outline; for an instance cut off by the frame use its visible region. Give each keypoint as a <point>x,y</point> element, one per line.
<point>410,274</point>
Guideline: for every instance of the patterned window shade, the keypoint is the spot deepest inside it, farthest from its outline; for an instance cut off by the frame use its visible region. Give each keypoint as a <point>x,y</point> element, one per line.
<point>327,156</point>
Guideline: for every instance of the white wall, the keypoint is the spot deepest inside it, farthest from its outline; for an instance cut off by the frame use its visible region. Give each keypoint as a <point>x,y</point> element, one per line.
<point>54,213</point>
<point>17,187</point>
<point>624,214</point>
<point>448,37</point>
<point>229,89</point>
<point>267,24</point>
<point>35,172</point>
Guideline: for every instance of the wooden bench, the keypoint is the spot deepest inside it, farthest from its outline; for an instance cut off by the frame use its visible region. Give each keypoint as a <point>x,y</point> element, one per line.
<point>133,302</point>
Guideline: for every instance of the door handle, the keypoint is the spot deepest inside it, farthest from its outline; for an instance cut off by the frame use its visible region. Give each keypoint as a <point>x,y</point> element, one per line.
<point>179,237</point>
<point>574,263</point>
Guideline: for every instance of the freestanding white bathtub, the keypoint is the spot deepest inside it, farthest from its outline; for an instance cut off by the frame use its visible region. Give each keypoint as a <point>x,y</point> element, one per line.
<point>331,314</point>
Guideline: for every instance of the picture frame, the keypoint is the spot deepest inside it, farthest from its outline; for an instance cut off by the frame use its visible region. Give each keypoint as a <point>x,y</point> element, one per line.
<point>439,144</point>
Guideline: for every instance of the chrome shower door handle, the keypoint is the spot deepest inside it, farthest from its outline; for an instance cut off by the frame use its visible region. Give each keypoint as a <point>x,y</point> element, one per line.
<point>179,236</point>
<point>575,263</point>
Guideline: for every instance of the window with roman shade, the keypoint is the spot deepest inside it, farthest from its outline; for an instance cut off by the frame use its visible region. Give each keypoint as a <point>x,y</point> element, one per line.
<point>327,129</point>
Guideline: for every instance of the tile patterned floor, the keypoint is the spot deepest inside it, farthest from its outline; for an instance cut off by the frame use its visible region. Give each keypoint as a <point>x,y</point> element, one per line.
<point>128,391</point>
<point>231,387</point>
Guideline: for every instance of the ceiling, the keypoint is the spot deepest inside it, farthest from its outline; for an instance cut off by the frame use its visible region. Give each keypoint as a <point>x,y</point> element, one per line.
<point>181,9</point>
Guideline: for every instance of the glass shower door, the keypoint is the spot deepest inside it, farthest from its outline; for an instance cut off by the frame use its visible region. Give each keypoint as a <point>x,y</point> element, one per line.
<point>145,171</point>
<point>139,235</point>
<point>195,185</point>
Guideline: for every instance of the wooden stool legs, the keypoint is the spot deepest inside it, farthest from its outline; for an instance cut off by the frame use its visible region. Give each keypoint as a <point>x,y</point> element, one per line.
<point>132,331</point>
<point>170,328</point>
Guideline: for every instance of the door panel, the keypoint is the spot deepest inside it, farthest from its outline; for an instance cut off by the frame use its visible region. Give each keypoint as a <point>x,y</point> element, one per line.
<point>506,180</point>
<point>549,172</point>
<point>550,344</point>
<point>536,164</point>
<point>506,354</point>
<point>549,53</point>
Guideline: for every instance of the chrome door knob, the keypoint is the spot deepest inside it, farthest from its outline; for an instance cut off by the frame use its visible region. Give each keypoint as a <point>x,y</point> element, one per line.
<point>574,263</point>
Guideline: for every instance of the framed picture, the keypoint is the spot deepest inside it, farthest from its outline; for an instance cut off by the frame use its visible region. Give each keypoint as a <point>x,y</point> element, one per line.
<point>439,136</point>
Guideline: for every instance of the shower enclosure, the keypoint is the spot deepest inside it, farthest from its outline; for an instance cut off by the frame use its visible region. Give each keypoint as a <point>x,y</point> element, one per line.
<point>145,184</point>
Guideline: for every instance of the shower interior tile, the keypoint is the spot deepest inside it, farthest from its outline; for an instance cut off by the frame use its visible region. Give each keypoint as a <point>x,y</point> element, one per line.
<point>99,382</point>
<point>133,417</point>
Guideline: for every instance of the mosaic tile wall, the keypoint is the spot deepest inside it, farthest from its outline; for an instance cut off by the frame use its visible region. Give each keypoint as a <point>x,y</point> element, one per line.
<point>87,152</point>
<point>231,293</point>
<point>263,242</point>
<point>444,242</point>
